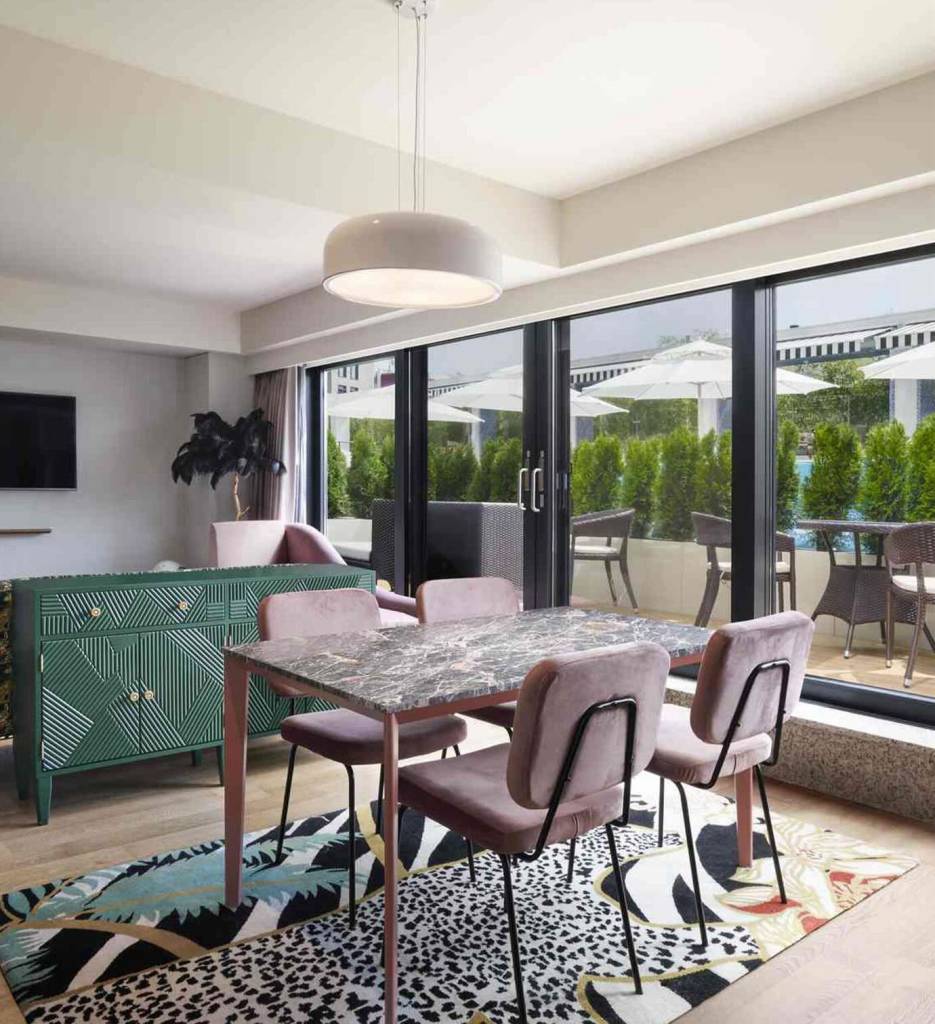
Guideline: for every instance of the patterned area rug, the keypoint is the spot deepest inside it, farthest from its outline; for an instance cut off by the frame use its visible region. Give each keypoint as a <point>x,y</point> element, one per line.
<point>150,941</point>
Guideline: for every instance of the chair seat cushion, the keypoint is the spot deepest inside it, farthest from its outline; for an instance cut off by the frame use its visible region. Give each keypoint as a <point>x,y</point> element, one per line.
<point>349,738</point>
<point>496,714</point>
<point>781,567</point>
<point>682,757</point>
<point>910,584</point>
<point>596,551</point>
<point>469,795</point>
<point>388,617</point>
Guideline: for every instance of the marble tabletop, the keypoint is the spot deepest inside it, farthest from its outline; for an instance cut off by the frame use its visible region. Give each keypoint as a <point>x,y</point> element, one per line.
<point>406,667</point>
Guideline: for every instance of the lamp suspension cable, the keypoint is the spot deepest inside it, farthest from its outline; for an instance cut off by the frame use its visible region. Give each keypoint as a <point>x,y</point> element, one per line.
<point>399,147</point>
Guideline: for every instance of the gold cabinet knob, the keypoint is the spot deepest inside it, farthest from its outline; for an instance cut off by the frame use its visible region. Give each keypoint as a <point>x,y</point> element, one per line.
<point>148,694</point>
<point>95,612</point>
<point>183,606</point>
<point>134,696</point>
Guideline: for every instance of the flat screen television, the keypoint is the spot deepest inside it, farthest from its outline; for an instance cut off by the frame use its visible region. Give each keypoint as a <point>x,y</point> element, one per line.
<point>37,441</point>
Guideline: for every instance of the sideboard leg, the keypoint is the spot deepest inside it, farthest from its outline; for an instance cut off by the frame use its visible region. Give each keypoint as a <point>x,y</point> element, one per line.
<point>43,790</point>
<point>196,758</point>
<point>220,754</point>
<point>23,769</point>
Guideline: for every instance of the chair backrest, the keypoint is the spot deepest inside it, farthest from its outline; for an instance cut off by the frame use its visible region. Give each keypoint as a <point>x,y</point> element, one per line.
<point>732,654</point>
<point>249,542</point>
<point>611,523</point>
<point>911,545</point>
<point>557,692</point>
<point>317,613</point>
<point>472,598</point>
<point>712,531</point>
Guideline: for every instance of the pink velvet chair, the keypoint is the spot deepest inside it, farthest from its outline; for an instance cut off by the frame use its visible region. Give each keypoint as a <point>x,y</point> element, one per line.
<point>749,682</point>
<point>585,725</point>
<point>271,542</point>
<point>341,735</point>
<point>471,598</point>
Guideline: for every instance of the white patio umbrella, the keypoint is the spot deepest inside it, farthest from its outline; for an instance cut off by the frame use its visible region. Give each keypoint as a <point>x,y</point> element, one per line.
<point>913,364</point>
<point>502,391</point>
<point>698,369</point>
<point>380,404</point>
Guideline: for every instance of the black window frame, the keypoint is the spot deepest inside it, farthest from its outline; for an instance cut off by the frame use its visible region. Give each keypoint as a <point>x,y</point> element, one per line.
<point>753,484</point>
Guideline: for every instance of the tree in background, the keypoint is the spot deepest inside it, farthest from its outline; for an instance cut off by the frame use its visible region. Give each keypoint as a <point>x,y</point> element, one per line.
<point>452,469</point>
<point>920,482</point>
<point>338,504</point>
<point>831,490</point>
<point>675,486</point>
<point>596,468</point>
<point>367,477</point>
<point>713,474</point>
<point>504,470</point>
<point>640,470</point>
<point>883,488</point>
<point>787,475</point>
<point>854,399</point>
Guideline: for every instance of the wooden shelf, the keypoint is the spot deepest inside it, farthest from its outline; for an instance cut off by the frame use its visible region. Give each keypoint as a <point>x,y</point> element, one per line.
<point>31,532</point>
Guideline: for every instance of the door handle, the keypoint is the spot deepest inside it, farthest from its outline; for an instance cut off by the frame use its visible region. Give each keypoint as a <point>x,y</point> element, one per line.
<point>538,471</point>
<point>523,472</point>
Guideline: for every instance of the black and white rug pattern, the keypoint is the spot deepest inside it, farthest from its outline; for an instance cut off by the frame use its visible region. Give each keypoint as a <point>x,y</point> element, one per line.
<point>454,954</point>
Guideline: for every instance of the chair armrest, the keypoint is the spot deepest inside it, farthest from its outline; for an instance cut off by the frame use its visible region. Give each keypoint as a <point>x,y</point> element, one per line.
<point>395,602</point>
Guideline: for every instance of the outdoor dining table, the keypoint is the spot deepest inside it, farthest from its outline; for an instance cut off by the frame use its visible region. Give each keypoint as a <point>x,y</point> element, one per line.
<point>406,673</point>
<point>857,593</point>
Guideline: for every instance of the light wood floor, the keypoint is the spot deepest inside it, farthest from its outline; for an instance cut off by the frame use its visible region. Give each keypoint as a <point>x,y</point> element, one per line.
<point>873,965</point>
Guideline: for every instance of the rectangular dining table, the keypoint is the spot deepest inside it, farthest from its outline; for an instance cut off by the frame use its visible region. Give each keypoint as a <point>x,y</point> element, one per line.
<point>406,673</point>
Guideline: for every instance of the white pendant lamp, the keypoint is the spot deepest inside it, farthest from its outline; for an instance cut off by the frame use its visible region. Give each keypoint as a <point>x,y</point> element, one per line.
<point>413,260</point>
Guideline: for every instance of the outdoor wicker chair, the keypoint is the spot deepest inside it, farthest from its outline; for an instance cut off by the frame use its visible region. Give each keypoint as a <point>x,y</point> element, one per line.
<point>614,525</point>
<point>908,550</point>
<point>714,532</point>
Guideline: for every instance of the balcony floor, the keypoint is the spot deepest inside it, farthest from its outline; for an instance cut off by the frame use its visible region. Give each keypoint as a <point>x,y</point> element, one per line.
<point>866,665</point>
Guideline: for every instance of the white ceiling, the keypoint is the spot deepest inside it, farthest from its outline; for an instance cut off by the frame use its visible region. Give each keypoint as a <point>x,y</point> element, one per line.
<point>551,95</point>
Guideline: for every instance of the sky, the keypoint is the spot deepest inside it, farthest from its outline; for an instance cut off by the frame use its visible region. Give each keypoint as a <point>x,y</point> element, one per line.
<point>895,289</point>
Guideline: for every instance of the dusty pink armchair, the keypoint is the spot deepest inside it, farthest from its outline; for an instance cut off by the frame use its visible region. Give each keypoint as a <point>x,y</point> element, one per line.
<point>271,542</point>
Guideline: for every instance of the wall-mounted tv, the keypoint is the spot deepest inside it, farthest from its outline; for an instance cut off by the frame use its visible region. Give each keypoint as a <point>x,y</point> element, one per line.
<point>37,441</point>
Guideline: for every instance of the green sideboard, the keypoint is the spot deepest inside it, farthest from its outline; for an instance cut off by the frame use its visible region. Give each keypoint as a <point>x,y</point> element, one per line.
<point>116,668</point>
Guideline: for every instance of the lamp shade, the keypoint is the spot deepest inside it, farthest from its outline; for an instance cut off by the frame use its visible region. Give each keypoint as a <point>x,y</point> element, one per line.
<point>412,261</point>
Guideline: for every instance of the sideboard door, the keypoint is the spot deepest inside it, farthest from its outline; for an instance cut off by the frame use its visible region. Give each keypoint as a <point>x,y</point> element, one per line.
<point>181,688</point>
<point>90,702</point>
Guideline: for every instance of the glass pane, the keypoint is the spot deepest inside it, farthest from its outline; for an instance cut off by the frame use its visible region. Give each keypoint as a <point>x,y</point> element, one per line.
<point>360,415</point>
<point>474,525</point>
<point>855,457</point>
<point>651,457</point>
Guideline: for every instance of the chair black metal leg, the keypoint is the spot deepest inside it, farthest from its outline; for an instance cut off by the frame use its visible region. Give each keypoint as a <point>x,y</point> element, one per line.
<point>693,864</point>
<point>285,805</point>
<point>457,750</point>
<point>625,574</point>
<point>444,753</point>
<point>610,581</point>
<point>661,809</point>
<point>569,874</point>
<point>624,912</point>
<point>514,939</point>
<point>509,731</point>
<point>351,851</point>
<point>761,782</point>
<point>379,821</point>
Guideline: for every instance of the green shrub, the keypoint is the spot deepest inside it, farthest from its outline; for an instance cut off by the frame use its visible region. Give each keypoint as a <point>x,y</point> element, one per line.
<point>787,475</point>
<point>921,458</point>
<point>595,475</point>
<point>367,477</point>
<point>452,469</point>
<point>504,470</point>
<point>883,489</point>
<point>640,470</point>
<point>480,485</point>
<point>712,478</point>
<point>924,508</point>
<point>337,479</point>
<point>675,487</point>
<point>831,490</point>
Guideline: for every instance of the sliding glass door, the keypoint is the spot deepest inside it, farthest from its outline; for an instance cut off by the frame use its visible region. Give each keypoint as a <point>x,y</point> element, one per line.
<point>648,423</point>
